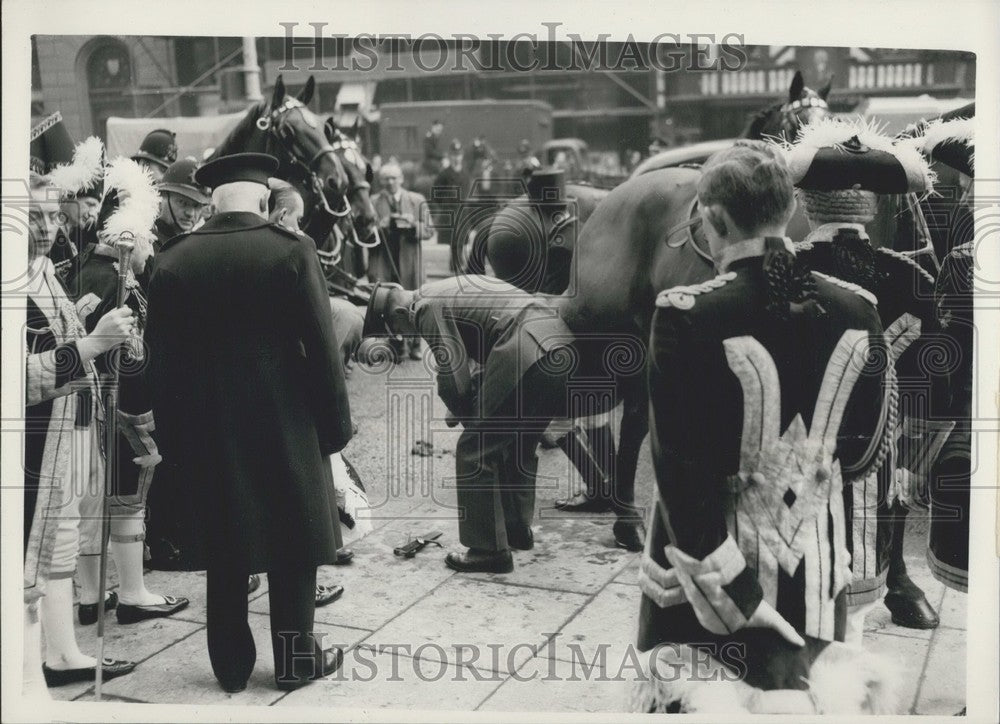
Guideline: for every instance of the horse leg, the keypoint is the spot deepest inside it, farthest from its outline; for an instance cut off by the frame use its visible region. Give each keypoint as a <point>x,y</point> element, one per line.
<point>635,426</point>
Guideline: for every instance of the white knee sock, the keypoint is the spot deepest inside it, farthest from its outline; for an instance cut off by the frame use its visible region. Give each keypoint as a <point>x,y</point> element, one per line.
<point>61,649</point>
<point>88,574</point>
<point>33,686</point>
<point>128,554</point>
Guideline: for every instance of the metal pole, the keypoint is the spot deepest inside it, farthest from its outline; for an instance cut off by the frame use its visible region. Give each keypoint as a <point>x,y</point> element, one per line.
<point>251,69</point>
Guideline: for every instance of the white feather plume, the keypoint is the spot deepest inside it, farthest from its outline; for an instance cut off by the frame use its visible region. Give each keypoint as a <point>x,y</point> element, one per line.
<point>937,132</point>
<point>85,170</point>
<point>832,131</point>
<point>138,199</point>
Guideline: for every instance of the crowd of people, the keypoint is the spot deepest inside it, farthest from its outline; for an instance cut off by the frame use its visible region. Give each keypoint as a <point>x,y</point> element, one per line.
<point>782,394</point>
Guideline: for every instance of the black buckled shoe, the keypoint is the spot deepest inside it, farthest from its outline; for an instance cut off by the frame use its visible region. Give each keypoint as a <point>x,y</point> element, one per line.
<point>253,583</point>
<point>63,677</point>
<point>582,503</point>
<point>134,614</point>
<point>911,609</point>
<point>327,594</point>
<point>87,612</point>
<point>344,557</point>
<point>328,660</point>
<point>521,537</point>
<point>480,561</point>
<point>629,535</point>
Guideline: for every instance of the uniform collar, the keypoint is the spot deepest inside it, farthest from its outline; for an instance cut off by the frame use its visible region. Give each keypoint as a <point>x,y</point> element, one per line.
<point>238,219</point>
<point>744,250</point>
<point>827,232</point>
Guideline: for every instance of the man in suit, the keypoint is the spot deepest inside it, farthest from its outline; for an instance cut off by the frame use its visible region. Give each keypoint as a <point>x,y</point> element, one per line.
<point>249,401</point>
<point>405,222</point>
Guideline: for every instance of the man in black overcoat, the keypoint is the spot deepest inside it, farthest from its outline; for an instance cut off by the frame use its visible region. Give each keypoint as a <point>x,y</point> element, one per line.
<point>249,400</point>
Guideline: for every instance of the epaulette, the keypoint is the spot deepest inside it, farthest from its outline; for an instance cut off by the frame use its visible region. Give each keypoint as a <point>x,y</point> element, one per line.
<point>683,297</point>
<point>899,256</point>
<point>850,286</point>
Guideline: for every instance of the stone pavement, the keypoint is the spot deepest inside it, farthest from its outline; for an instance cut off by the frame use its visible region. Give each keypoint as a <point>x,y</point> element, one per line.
<point>419,636</point>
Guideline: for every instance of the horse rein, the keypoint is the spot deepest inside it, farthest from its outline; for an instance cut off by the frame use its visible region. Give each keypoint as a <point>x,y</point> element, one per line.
<point>272,123</point>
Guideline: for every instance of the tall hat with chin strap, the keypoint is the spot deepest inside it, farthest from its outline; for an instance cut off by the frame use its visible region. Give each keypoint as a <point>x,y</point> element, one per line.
<point>179,179</point>
<point>158,147</point>
<point>833,154</point>
<point>50,144</point>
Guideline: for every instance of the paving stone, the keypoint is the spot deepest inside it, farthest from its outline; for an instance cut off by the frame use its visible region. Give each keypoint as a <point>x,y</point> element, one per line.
<point>908,655</point>
<point>182,673</point>
<point>953,609</point>
<point>630,573</point>
<point>135,642</point>
<point>190,585</point>
<point>943,689</point>
<point>608,623</point>
<point>568,688</point>
<point>569,555</point>
<point>383,681</point>
<point>513,620</point>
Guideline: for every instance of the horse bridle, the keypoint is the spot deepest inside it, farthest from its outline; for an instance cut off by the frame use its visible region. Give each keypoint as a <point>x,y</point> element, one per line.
<point>790,111</point>
<point>352,153</point>
<point>273,124</point>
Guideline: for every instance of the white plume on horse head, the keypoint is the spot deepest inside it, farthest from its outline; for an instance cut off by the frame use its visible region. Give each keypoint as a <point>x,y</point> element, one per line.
<point>84,172</point>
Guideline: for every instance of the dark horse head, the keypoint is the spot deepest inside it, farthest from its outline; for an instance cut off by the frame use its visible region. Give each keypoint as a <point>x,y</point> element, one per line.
<point>784,119</point>
<point>359,175</point>
<point>286,129</point>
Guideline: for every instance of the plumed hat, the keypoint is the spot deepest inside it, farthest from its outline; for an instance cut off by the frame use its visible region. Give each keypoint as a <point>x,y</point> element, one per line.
<point>131,202</point>
<point>834,154</point>
<point>82,176</point>
<point>951,141</point>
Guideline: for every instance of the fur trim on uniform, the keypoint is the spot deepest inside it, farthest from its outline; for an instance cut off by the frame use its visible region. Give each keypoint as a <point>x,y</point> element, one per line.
<point>85,170</point>
<point>834,132</point>
<point>842,680</point>
<point>138,200</point>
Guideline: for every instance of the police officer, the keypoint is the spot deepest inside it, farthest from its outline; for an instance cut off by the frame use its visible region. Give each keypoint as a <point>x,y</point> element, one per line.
<point>249,400</point>
<point>842,170</point>
<point>157,151</point>
<point>527,162</point>
<point>183,201</point>
<point>754,431</point>
<point>520,344</point>
<point>433,154</point>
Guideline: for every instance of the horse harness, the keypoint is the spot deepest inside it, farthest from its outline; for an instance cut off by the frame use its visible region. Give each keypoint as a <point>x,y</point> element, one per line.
<point>273,123</point>
<point>697,241</point>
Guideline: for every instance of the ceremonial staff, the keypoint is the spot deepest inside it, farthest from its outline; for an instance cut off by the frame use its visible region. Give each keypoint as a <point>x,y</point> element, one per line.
<point>124,245</point>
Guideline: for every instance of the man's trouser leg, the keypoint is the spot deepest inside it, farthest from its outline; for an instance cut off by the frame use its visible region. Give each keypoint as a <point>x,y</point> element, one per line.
<point>518,492</point>
<point>479,466</point>
<point>230,644</point>
<point>292,595</point>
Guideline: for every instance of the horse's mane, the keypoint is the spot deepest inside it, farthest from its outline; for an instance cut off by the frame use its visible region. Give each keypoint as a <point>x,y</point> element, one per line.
<point>755,127</point>
<point>238,136</point>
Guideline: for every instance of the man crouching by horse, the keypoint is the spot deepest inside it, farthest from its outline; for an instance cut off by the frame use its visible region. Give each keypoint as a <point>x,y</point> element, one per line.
<point>767,392</point>
<point>522,347</point>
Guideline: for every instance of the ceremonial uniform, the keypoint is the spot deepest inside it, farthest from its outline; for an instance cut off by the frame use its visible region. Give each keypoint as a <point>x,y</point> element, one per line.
<point>249,399</point>
<point>516,339</point>
<point>757,423</point>
<point>950,479</point>
<point>905,294</point>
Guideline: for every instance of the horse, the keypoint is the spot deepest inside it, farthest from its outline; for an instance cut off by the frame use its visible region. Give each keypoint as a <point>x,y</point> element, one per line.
<point>782,120</point>
<point>285,128</point>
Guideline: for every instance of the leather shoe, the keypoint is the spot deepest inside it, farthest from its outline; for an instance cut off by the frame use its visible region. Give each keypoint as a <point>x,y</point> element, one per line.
<point>475,560</point>
<point>112,670</point>
<point>253,583</point>
<point>344,556</point>
<point>134,614</point>
<point>911,610</point>
<point>234,688</point>
<point>582,503</point>
<point>416,354</point>
<point>87,612</point>
<point>521,537</point>
<point>327,594</point>
<point>329,661</point>
<point>629,535</point>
